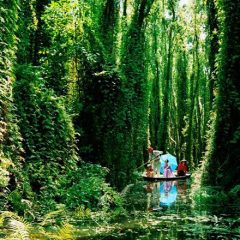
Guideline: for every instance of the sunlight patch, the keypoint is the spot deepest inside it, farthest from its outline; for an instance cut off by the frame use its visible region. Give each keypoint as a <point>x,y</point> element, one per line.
<point>184,2</point>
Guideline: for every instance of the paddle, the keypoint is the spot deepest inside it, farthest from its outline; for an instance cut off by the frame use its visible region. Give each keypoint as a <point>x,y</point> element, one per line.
<point>149,161</point>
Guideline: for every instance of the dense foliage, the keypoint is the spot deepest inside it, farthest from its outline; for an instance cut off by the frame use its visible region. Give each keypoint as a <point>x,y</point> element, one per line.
<point>40,166</point>
<point>48,140</point>
<point>223,151</point>
<point>87,86</point>
<point>10,139</point>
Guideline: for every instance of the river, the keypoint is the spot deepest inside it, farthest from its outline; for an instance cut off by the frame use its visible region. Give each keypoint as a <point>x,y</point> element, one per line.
<point>173,210</point>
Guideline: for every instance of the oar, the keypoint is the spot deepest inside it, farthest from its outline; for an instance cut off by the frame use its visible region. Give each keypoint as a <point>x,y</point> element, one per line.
<point>149,161</point>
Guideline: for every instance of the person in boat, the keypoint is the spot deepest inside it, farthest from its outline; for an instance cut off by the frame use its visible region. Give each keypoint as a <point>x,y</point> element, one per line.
<point>182,168</point>
<point>150,153</point>
<point>156,162</point>
<point>167,170</point>
<point>149,170</point>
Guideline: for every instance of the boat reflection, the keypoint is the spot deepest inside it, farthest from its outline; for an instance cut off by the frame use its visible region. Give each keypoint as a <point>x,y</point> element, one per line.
<point>168,193</point>
<point>162,195</point>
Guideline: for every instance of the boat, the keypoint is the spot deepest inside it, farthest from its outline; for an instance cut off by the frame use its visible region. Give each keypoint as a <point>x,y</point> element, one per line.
<point>162,178</point>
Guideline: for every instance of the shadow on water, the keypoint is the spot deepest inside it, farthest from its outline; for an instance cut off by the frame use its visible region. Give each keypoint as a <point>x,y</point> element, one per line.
<point>167,210</point>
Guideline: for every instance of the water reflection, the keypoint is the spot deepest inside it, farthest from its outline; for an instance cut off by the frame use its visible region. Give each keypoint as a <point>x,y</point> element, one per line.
<point>168,210</point>
<point>168,193</point>
<point>164,194</point>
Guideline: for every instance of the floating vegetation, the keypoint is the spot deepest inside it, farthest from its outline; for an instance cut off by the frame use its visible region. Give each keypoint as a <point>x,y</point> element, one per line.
<point>186,218</point>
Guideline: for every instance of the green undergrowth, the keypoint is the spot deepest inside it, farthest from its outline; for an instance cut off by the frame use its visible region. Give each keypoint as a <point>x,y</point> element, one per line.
<point>215,197</point>
<point>81,193</point>
<point>85,200</point>
<point>52,189</point>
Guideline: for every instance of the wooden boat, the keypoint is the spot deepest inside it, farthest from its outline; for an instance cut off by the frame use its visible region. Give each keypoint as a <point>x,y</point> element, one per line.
<point>162,178</point>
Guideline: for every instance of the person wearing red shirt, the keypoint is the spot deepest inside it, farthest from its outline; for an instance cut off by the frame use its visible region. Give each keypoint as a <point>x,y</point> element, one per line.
<point>150,152</point>
<point>182,168</point>
<point>149,171</point>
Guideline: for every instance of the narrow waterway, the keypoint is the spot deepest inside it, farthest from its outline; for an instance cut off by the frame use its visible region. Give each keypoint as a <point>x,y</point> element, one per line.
<point>172,210</point>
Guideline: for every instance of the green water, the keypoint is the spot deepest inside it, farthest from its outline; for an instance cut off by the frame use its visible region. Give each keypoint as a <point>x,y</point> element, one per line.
<point>172,211</point>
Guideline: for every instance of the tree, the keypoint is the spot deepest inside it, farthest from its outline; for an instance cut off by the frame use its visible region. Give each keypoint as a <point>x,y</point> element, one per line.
<point>135,83</point>
<point>10,139</point>
<point>214,46</point>
<point>47,130</point>
<point>223,151</point>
